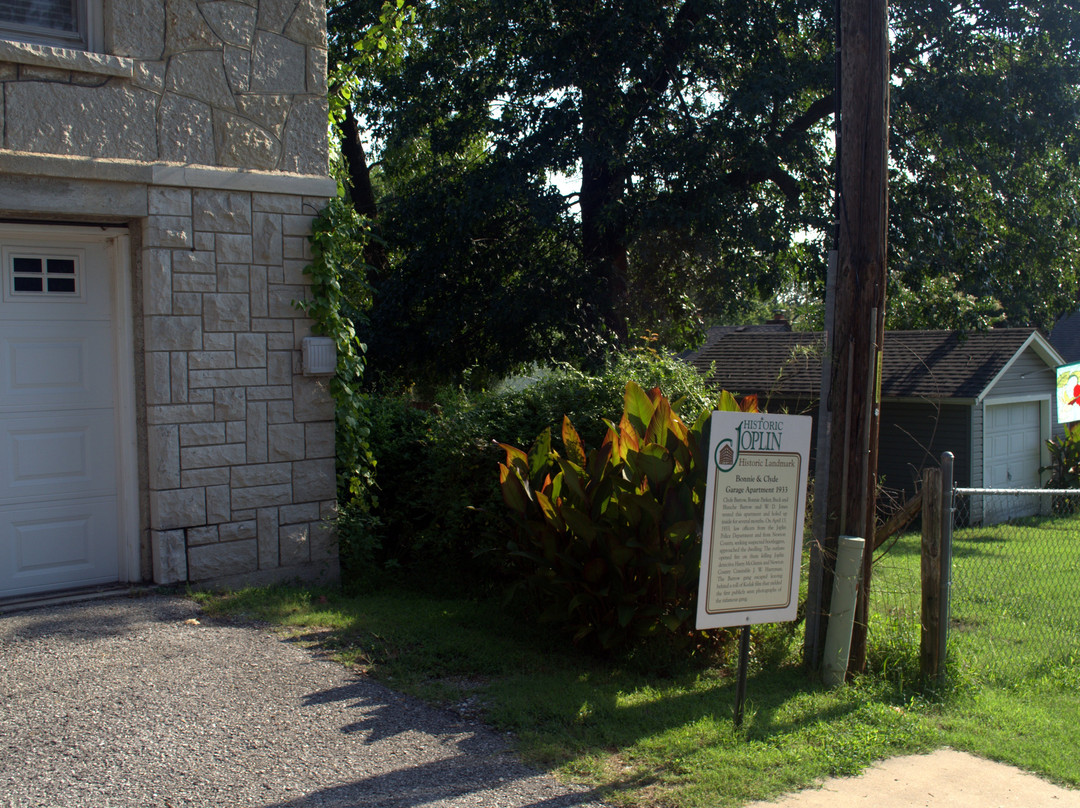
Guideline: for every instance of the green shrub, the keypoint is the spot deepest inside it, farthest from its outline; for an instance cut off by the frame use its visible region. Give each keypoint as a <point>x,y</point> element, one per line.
<point>609,540</point>
<point>1064,467</point>
<point>441,519</point>
<point>371,552</point>
<point>359,547</point>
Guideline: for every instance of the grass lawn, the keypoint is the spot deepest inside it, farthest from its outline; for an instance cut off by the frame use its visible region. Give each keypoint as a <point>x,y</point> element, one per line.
<point>1014,644</point>
<point>664,741</point>
<point>669,740</point>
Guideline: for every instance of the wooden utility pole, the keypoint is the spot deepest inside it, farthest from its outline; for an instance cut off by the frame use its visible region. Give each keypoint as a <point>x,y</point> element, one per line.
<point>851,374</point>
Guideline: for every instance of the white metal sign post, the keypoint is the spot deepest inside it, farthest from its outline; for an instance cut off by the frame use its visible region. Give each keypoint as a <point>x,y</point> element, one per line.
<point>755,504</point>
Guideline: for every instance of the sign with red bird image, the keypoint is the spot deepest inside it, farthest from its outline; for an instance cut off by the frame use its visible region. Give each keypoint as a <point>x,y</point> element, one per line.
<point>1068,393</point>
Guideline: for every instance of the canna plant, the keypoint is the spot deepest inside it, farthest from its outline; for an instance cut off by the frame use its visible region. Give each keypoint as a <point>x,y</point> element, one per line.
<point>609,542</point>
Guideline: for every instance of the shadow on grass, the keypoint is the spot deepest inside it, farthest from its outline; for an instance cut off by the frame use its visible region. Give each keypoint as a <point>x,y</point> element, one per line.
<point>530,684</point>
<point>592,718</point>
<point>776,692</point>
<point>969,545</point>
<point>603,721</point>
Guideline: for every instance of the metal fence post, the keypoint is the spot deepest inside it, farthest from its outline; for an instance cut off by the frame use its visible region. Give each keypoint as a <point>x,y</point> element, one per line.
<point>930,575</point>
<point>947,517</point>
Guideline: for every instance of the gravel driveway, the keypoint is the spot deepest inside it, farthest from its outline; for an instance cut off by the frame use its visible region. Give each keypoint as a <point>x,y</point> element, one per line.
<point>139,701</point>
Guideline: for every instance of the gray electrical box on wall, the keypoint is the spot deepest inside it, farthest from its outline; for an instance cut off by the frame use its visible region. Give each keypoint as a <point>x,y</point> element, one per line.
<point>319,356</point>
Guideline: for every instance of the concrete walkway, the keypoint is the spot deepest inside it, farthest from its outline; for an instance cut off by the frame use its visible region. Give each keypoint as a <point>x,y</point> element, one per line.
<point>942,779</point>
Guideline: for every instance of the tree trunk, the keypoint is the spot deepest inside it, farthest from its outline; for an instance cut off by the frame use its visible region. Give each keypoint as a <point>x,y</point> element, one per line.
<point>361,192</point>
<point>603,238</point>
<point>603,220</point>
<point>609,111</point>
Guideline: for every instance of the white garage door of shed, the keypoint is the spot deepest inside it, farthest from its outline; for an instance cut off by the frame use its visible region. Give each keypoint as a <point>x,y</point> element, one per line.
<point>58,460</point>
<point>1013,441</point>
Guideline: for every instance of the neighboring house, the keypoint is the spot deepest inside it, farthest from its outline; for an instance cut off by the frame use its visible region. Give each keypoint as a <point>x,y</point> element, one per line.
<point>160,165</point>
<point>1065,337</point>
<point>779,325</point>
<point>988,397</point>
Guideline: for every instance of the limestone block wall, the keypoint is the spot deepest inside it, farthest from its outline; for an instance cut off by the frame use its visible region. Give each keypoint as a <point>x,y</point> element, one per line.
<point>201,126</point>
<point>234,83</point>
<point>240,442</point>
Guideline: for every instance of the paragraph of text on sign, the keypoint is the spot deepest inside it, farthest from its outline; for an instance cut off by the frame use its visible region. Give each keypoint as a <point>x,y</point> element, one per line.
<point>755,514</point>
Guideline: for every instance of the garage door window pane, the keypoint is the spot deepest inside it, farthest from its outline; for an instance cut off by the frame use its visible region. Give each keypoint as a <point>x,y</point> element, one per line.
<point>27,284</point>
<point>31,275</point>
<point>62,285</point>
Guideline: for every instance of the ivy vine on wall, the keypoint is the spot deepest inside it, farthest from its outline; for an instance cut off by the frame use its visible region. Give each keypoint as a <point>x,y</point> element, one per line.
<point>338,300</point>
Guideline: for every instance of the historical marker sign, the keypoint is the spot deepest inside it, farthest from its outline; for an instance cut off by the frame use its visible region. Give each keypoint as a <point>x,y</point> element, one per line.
<point>755,504</point>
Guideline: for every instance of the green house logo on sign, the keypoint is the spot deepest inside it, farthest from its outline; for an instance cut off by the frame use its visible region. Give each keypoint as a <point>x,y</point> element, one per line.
<point>752,435</point>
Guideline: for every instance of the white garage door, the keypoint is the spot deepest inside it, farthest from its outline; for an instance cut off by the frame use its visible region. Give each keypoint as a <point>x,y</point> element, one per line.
<point>58,461</point>
<point>1013,451</point>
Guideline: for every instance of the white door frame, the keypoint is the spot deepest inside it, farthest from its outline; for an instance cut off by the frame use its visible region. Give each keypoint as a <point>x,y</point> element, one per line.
<point>1045,427</point>
<point>127,443</point>
<point>117,242</point>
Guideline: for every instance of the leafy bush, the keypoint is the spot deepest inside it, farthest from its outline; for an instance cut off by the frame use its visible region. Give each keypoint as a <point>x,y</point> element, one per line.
<point>1064,467</point>
<point>610,539</point>
<point>359,547</point>
<point>441,518</point>
<point>371,554</point>
<point>434,475</point>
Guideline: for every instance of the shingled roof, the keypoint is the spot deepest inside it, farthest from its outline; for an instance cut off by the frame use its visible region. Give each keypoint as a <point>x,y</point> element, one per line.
<point>934,365</point>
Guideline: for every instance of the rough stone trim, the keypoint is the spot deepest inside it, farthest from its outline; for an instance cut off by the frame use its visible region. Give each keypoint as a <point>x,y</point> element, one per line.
<point>231,179</point>
<point>26,53</point>
<point>31,164</point>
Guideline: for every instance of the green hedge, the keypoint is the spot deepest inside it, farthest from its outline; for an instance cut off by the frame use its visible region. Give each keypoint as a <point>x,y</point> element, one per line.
<point>439,522</point>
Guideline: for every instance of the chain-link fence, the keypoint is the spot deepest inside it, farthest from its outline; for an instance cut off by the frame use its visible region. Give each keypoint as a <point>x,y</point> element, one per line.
<point>1014,597</point>
<point>893,629</point>
<point>1015,594</point>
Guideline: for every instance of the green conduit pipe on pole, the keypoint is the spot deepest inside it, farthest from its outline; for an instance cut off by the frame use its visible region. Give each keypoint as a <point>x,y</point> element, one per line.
<point>849,553</point>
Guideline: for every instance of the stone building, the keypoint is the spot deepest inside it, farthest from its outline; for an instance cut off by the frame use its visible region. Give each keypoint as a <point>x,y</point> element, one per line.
<point>160,165</point>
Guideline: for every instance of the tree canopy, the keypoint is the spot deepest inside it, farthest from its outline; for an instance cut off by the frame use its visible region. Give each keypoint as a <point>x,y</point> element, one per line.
<point>699,135</point>
<point>985,145</point>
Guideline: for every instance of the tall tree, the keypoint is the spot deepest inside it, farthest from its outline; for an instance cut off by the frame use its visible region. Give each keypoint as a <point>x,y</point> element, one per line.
<point>364,40</point>
<point>985,187</point>
<point>699,133</point>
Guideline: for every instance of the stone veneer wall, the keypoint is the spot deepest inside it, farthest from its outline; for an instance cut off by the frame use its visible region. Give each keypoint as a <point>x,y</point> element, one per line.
<point>202,126</point>
<point>240,442</point>
<point>219,83</point>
